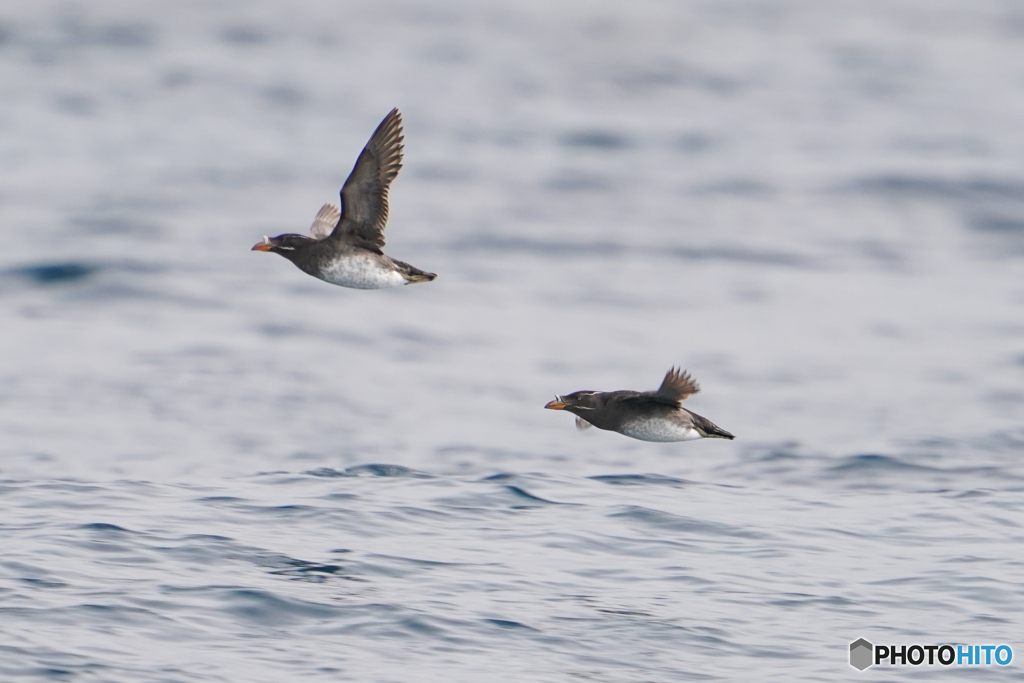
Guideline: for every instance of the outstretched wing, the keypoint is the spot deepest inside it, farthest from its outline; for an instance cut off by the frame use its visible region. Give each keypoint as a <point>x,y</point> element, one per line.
<point>364,197</point>
<point>326,220</point>
<point>677,385</point>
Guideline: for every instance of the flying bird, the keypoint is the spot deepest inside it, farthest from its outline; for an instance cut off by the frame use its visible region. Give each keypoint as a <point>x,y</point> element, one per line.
<point>344,244</point>
<point>645,415</point>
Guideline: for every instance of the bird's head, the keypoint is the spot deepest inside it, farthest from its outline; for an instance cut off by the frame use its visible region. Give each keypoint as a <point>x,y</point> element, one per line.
<point>285,245</point>
<point>578,402</point>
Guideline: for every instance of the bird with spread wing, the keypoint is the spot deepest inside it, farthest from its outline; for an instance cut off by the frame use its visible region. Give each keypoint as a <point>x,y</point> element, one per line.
<point>645,415</point>
<point>344,246</point>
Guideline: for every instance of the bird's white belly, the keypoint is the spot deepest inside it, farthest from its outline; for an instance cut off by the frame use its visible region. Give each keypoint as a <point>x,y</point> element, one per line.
<point>361,272</point>
<point>660,430</point>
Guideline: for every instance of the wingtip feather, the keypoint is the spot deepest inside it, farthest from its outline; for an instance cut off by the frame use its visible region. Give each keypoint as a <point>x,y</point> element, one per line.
<point>678,383</point>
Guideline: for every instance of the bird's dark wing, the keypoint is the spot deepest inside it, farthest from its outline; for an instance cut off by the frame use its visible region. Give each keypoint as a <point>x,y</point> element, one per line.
<point>648,399</point>
<point>364,197</point>
<point>677,386</point>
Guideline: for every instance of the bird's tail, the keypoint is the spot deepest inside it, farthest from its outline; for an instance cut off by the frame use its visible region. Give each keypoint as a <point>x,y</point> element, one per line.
<point>709,429</point>
<point>413,274</point>
<point>419,276</point>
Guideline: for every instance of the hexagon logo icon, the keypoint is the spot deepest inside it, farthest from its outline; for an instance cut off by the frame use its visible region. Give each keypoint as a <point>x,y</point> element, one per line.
<point>861,654</point>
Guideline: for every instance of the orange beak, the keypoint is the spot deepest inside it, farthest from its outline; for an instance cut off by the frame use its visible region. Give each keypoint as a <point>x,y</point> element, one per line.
<point>261,246</point>
<point>557,404</point>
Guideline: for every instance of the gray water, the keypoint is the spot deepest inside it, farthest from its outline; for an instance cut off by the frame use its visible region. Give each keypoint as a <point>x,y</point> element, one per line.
<point>215,468</point>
